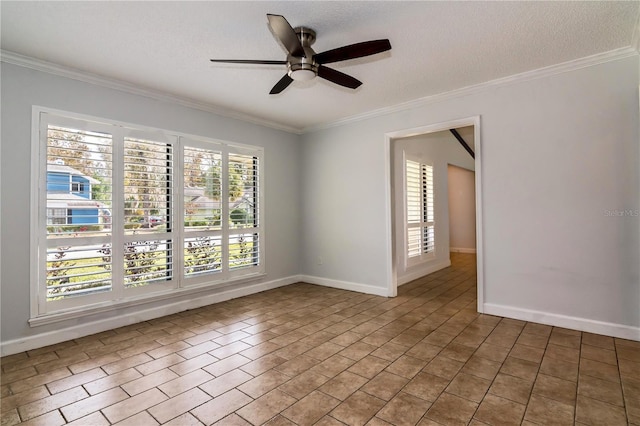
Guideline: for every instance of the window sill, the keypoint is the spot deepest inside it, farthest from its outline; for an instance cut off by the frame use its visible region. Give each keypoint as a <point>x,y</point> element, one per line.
<point>86,311</point>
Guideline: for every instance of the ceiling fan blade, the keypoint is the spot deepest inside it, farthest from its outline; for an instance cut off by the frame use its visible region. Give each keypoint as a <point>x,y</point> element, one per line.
<point>338,77</point>
<point>353,51</point>
<point>249,61</point>
<point>281,85</point>
<point>285,33</point>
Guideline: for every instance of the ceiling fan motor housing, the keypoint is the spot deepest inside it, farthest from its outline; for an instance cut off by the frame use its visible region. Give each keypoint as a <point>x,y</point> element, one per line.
<point>303,68</point>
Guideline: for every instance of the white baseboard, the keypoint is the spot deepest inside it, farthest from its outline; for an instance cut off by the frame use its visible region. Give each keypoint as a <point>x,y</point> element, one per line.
<point>345,285</point>
<point>52,337</point>
<point>462,250</point>
<point>419,273</point>
<point>575,323</point>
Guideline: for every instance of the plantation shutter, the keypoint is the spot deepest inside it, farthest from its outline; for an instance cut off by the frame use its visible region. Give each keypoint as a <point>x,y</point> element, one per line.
<point>221,211</point>
<point>414,208</point>
<point>419,201</point>
<point>148,205</point>
<point>123,212</point>
<point>428,232</point>
<point>202,207</point>
<point>79,195</point>
<point>243,198</point>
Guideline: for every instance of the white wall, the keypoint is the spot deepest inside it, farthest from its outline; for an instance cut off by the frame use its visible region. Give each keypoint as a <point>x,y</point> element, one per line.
<point>438,149</point>
<point>559,152</point>
<point>22,88</point>
<point>462,209</point>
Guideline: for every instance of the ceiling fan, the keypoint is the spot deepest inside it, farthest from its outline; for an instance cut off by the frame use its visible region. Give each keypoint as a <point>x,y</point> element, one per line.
<point>303,63</point>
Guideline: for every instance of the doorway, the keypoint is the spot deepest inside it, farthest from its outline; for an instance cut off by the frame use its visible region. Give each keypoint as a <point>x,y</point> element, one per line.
<point>398,261</point>
<point>461,198</point>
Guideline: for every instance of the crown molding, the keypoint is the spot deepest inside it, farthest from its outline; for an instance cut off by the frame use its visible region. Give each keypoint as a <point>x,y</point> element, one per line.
<point>48,67</point>
<point>563,67</point>
<point>86,77</point>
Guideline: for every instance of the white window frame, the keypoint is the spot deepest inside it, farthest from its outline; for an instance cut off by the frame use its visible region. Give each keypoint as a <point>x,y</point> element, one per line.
<point>51,214</point>
<point>226,274</point>
<point>423,224</point>
<point>43,312</point>
<point>80,187</point>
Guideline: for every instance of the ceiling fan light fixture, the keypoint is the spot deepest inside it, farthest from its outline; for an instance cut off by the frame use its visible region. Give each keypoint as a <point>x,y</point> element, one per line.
<point>302,75</point>
<point>301,69</point>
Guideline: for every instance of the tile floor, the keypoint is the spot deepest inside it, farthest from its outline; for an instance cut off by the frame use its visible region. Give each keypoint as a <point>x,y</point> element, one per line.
<point>307,355</point>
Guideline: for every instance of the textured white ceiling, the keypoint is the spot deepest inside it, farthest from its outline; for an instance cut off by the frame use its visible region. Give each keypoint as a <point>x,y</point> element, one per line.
<point>437,47</point>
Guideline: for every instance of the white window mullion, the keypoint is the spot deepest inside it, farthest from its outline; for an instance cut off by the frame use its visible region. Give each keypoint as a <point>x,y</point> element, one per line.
<point>258,212</point>
<point>117,225</point>
<point>224,214</point>
<point>177,213</point>
<point>175,169</point>
<point>41,291</point>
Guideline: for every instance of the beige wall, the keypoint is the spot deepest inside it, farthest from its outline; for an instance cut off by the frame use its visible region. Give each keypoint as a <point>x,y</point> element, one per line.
<point>559,159</point>
<point>462,213</point>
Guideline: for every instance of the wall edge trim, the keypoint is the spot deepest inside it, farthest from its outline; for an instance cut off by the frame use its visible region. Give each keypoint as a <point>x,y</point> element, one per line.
<point>35,341</point>
<point>576,323</point>
<point>345,285</point>
<point>112,83</point>
<point>462,250</point>
<point>563,67</point>
<point>430,269</point>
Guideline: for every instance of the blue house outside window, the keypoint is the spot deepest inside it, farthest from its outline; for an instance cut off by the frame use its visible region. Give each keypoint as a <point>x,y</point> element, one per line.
<point>69,191</point>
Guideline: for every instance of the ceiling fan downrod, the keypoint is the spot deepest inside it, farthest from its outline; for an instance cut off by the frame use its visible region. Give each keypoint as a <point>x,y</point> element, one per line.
<point>303,68</point>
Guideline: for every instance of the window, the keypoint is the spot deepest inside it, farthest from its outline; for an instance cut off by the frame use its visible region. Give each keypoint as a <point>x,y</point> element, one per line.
<point>419,210</point>
<point>56,216</point>
<point>212,174</point>
<point>77,187</point>
<point>130,213</point>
